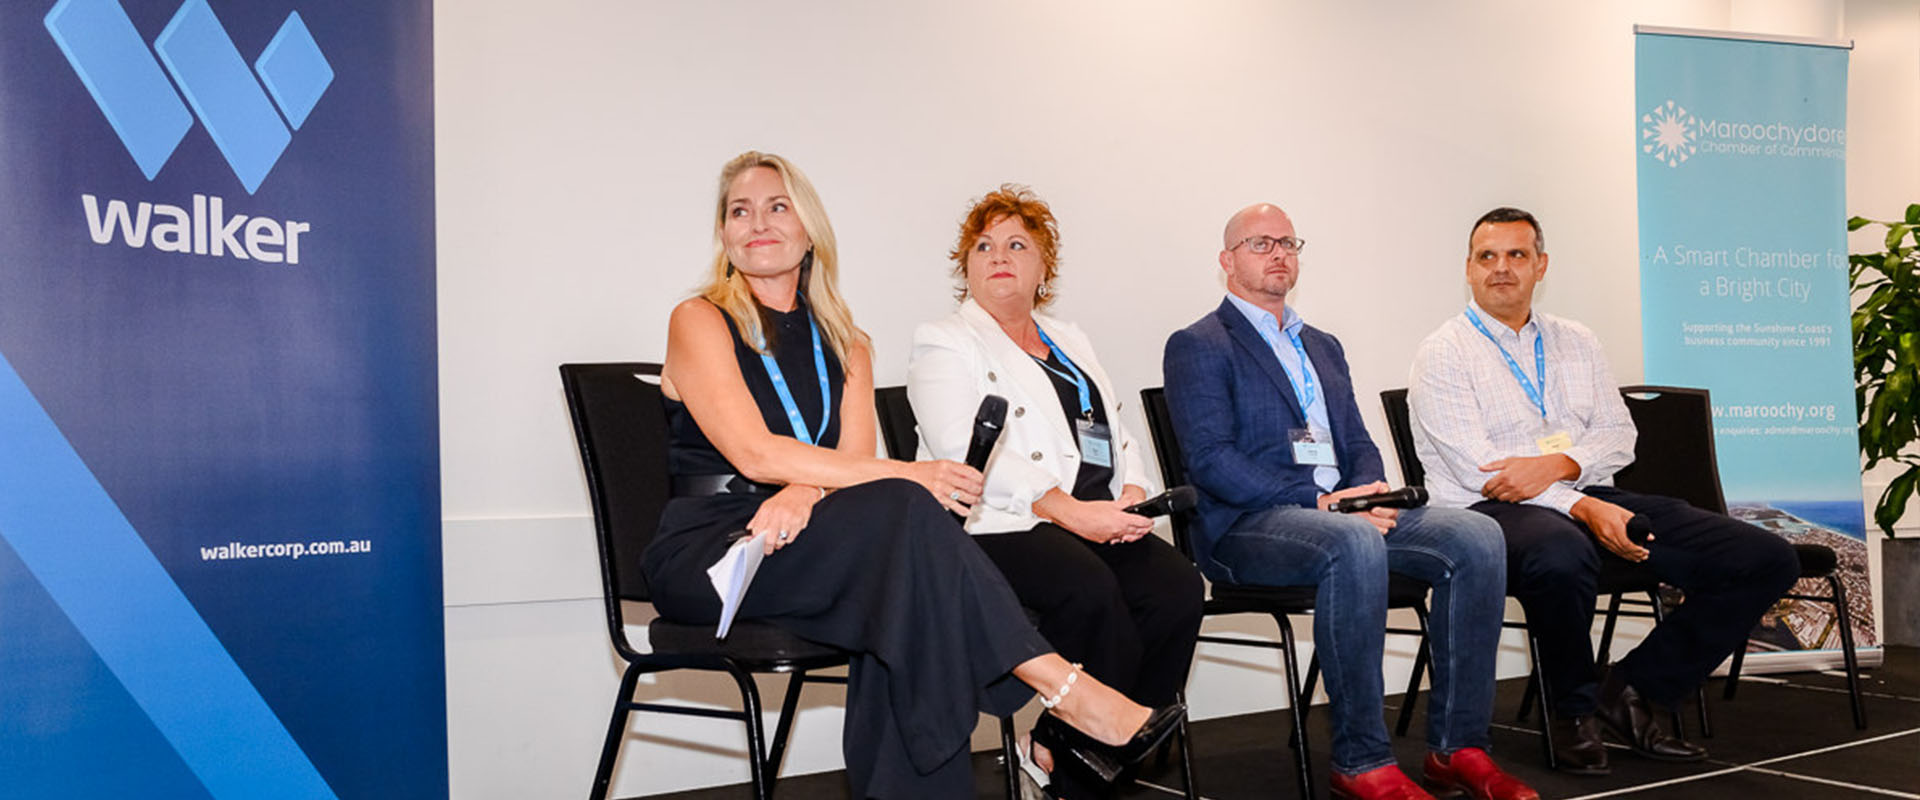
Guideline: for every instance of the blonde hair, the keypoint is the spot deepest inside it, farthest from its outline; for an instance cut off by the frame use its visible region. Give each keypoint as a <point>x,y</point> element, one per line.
<point>728,290</point>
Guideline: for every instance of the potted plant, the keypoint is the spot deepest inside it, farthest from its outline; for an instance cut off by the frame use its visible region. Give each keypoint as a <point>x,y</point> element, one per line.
<point>1886,368</point>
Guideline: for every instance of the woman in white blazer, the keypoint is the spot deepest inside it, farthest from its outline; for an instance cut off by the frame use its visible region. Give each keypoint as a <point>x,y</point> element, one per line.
<point>1108,593</point>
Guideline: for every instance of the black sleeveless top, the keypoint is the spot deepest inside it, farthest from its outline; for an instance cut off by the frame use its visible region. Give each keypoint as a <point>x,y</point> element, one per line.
<point>790,335</point>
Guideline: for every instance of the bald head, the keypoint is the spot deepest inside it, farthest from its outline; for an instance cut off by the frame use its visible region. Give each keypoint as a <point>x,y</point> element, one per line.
<point>1262,279</point>
<point>1250,217</point>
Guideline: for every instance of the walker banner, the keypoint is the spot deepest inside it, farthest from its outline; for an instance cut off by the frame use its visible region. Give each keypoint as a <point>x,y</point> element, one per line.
<point>219,475</point>
<point>1741,147</point>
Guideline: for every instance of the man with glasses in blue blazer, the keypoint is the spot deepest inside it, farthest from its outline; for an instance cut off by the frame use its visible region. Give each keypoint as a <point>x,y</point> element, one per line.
<point>1263,407</point>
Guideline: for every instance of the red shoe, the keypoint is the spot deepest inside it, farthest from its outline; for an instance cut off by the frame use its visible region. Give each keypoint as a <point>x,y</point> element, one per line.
<point>1470,772</point>
<point>1385,783</point>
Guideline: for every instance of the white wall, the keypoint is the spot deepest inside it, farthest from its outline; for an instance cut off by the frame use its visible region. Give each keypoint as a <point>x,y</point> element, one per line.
<point>579,139</point>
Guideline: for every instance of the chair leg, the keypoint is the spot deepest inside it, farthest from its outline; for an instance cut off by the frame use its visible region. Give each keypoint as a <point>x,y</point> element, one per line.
<point>616,732</point>
<point>1009,752</point>
<point>1846,650</point>
<point>756,733</point>
<point>1537,692</point>
<point>1186,754</point>
<point>1604,657</point>
<point>1300,760</point>
<point>1422,655</point>
<point>1533,687</point>
<point>1733,673</point>
<point>785,724</point>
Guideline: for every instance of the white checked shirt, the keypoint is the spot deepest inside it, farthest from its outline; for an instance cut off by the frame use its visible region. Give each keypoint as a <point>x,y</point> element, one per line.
<point>1468,409</point>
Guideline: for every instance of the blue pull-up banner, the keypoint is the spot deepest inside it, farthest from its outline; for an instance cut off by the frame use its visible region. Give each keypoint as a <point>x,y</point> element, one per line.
<point>219,477</point>
<point>1742,147</point>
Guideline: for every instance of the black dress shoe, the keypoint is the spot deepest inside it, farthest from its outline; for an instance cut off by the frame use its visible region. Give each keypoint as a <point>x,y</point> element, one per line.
<point>1630,717</point>
<point>1105,760</point>
<point>1577,747</point>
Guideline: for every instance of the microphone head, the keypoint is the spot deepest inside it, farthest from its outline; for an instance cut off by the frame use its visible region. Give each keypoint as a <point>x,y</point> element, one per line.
<point>993,412</point>
<point>1180,498</point>
<point>1417,494</point>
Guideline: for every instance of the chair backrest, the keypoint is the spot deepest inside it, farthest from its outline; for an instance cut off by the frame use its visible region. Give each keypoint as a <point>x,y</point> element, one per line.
<point>1173,464</point>
<point>898,429</point>
<point>1400,427</point>
<point>1674,454</point>
<point>621,426</point>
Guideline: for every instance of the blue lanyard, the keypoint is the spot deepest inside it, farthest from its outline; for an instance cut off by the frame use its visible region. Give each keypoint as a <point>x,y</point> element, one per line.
<point>1079,380</point>
<point>1539,363</point>
<point>786,395</point>
<point>1306,392</point>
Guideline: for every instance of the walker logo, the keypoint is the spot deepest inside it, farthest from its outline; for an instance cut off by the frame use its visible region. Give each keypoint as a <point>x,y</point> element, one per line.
<point>132,88</point>
<point>1669,134</point>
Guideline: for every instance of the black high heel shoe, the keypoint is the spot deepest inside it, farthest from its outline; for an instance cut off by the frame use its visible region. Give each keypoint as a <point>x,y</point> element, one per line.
<point>1105,760</point>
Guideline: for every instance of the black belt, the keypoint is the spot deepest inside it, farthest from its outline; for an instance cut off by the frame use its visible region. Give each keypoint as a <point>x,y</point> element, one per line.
<point>729,483</point>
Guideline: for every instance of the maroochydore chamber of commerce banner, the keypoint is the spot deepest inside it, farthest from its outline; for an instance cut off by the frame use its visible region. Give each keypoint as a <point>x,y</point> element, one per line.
<point>219,476</point>
<point>1741,147</point>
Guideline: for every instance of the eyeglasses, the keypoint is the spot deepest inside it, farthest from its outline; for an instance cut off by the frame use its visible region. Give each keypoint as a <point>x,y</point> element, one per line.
<point>1262,245</point>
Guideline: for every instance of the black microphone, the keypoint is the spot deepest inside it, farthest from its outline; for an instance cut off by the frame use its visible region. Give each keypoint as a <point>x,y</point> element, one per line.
<point>1410,497</point>
<point>1171,501</point>
<point>986,430</point>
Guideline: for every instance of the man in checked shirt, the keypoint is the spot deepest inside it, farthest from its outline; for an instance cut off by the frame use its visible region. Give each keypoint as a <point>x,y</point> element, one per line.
<point>1516,415</point>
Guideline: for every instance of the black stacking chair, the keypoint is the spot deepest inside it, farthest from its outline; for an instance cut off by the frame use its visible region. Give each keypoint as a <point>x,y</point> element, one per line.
<point>1675,457</point>
<point>1278,602</point>
<point>899,432</point>
<point>1618,577</point>
<point>622,431</point>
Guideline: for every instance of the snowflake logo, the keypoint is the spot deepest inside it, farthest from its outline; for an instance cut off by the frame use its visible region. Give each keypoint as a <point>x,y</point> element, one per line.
<point>1668,133</point>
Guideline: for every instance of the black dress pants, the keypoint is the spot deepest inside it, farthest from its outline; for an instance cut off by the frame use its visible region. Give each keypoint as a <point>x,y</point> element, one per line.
<point>1731,572</point>
<point>885,573</point>
<point>1128,612</point>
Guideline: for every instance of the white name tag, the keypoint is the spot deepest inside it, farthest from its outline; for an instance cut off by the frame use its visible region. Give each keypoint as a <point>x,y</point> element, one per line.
<point>1312,447</point>
<point>1096,442</point>
<point>1554,442</point>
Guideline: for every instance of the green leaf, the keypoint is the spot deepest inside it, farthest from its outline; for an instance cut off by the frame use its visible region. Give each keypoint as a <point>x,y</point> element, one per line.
<point>1893,502</point>
<point>1913,214</point>
<point>1856,223</point>
<point>1895,233</point>
<point>1908,345</point>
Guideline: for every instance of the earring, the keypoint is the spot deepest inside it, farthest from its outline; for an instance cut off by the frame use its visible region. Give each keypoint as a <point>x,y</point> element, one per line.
<point>1044,290</point>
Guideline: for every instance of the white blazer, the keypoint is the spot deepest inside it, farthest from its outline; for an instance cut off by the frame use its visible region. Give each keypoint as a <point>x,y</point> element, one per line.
<point>964,357</point>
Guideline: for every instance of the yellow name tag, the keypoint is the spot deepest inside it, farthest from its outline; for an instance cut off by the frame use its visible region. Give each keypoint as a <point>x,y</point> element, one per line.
<point>1554,443</point>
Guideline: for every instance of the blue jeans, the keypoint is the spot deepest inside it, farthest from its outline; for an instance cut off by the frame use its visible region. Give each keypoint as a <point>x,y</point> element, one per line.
<point>1460,553</point>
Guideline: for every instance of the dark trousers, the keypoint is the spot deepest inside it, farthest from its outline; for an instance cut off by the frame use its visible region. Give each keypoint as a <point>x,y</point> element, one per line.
<point>1128,612</point>
<point>882,571</point>
<point>1731,573</point>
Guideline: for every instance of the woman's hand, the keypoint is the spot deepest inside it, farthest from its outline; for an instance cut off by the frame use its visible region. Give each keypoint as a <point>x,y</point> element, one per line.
<point>1099,521</point>
<point>783,516</point>
<point>956,485</point>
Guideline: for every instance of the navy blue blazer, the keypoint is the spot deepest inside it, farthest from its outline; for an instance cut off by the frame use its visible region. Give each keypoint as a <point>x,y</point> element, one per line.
<point>1232,405</point>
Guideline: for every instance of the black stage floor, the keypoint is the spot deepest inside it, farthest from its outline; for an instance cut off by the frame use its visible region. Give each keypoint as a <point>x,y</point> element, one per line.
<point>1787,736</point>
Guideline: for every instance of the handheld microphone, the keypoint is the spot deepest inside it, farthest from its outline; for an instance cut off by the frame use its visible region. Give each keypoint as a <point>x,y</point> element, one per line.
<point>1410,497</point>
<point>1171,501</point>
<point>986,430</point>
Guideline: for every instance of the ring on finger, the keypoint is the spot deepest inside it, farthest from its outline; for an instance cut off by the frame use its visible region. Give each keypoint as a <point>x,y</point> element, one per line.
<point>783,536</point>
<point>954,495</point>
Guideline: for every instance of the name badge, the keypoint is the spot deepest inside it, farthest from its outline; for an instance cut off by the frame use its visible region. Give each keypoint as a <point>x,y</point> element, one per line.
<point>1554,442</point>
<point>1096,442</point>
<point>1312,447</point>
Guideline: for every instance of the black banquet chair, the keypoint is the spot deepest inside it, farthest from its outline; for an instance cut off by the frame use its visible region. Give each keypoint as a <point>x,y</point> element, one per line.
<point>1277,602</point>
<point>1675,457</point>
<point>621,428</point>
<point>899,434</point>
